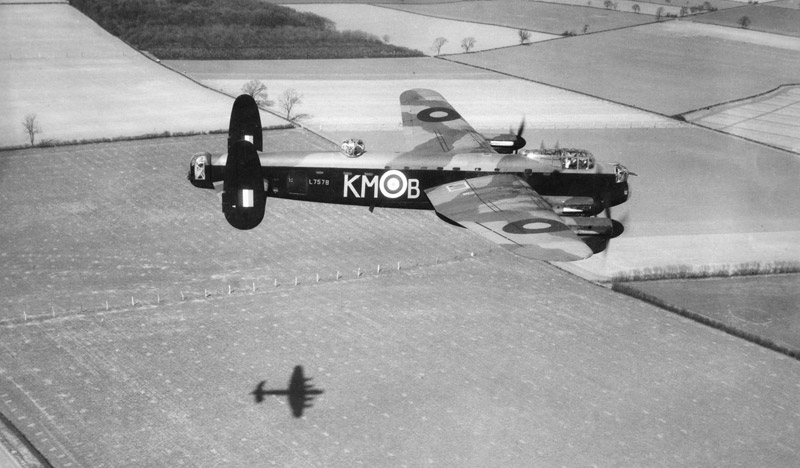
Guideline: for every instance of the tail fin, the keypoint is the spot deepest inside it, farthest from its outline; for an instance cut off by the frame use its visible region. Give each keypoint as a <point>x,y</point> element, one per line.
<point>243,194</point>
<point>245,122</point>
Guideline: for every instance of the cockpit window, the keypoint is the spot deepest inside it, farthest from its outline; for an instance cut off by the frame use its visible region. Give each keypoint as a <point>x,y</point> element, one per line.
<point>567,158</point>
<point>577,160</point>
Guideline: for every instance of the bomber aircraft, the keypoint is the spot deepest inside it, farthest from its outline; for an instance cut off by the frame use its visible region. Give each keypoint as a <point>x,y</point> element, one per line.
<point>541,204</point>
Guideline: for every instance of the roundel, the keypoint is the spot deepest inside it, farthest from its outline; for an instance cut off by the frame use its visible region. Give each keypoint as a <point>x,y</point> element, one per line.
<point>438,114</point>
<point>534,226</point>
<point>393,184</point>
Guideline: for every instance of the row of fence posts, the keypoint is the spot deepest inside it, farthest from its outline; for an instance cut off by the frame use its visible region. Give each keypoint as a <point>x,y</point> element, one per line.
<point>207,294</point>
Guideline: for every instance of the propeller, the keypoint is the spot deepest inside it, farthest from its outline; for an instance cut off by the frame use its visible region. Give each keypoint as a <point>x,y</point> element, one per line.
<point>520,130</point>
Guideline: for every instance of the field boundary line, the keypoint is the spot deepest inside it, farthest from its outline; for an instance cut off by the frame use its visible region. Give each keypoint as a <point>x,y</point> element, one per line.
<point>12,438</point>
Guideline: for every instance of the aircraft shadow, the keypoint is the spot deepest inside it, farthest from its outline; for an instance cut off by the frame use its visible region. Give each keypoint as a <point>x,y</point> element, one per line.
<point>300,393</point>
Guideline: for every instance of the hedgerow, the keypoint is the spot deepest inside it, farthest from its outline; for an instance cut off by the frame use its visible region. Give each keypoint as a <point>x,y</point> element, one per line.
<point>231,29</point>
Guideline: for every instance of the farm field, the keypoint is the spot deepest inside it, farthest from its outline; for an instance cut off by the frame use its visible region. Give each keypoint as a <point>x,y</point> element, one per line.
<point>364,95</point>
<point>168,381</point>
<point>765,18</point>
<point>122,218</point>
<point>417,31</point>
<point>74,76</point>
<point>694,227</point>
<point>719,4</point>
<point>696,65</point>
<point>406,380</point>
<point>550,18</point>
<point>491,105</point>
<point>767,306</point>
<point>773,118</point>
<point>790,4</point>
<point>646,8</point>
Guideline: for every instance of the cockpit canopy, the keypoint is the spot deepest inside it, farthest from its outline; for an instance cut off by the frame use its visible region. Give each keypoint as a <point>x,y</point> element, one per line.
<point>567,158</point>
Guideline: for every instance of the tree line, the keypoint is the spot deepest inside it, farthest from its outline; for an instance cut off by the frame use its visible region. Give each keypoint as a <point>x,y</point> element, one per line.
<point>231,29</point>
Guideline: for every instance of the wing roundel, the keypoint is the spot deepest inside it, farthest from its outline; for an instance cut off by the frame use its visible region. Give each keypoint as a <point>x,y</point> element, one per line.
<point>434,126</point>
<point>507,211</point>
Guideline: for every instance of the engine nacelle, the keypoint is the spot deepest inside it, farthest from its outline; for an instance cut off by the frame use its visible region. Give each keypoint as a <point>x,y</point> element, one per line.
<point>507,143</point>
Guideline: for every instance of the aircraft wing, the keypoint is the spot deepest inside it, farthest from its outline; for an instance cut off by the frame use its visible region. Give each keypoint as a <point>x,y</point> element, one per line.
<point>433,126</point>
<point>507,211</point>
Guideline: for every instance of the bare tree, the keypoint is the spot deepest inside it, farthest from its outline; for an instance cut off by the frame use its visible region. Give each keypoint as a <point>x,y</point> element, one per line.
<point>289,101</point>
<point>31,126</point>
<point>636,8</point>
<point>744,22</point>
<point>437,45</point>
<point>524,36</point>
<point>258,90</point>
<point>467,43</point>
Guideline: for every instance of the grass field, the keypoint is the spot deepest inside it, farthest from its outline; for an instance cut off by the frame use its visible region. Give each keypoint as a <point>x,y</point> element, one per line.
<point>417,31</point>
<point>550,18</point>
<point>443,376</point>
<point>167,380</point>
<point>790,4</point>
<point>765,18</point>
<point>766,306</point>
<point>82,83</point>
<point>364,95</point>
<point>122,218</point>
<point>646,8</point>
<point>773,118</point>
<point>669,68</point>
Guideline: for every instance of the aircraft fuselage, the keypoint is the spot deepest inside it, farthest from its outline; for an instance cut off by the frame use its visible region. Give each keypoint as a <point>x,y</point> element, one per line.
<point>395,180</point>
